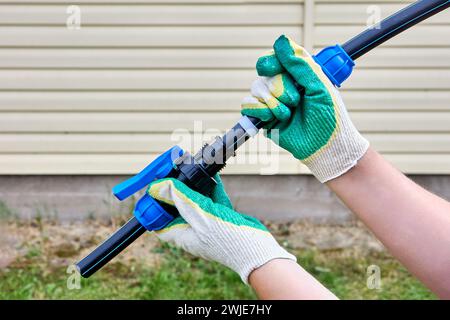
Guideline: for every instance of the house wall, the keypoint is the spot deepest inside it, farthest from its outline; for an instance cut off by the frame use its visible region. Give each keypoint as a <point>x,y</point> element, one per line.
<point>104,100</point>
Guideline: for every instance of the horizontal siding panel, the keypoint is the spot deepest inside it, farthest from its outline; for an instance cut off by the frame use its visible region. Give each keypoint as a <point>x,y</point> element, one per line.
<point>206,101</point>
<point>126,79</point>
<point>206,14</point>
<point>397,100</point>
<point>130,58</point>
<point>399,79</point>
<point>124,164</point>
<point>167,122</point>
<point>356,13</point>
<point>378,79</point>
<point>113,122</point>
<point>87,143</point>
<point>212,36</point>
<point>157,143</point>
<point>423,35</point>
<point>200,58</point>
<point>402,121</point>
<point>421,163</point>
<point>410,142</point>
<point>121,101</point>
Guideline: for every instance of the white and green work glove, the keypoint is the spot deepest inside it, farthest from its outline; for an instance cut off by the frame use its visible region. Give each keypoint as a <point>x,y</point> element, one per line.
<point>315,126</point>
<point>211,229</point>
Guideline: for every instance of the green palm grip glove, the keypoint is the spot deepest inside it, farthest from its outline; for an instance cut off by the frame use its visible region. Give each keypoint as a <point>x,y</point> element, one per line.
<point>318,131</point>
<point>211,229</point>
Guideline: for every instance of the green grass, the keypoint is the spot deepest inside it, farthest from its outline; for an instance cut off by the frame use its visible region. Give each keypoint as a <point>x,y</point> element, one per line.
<point>181,276</point>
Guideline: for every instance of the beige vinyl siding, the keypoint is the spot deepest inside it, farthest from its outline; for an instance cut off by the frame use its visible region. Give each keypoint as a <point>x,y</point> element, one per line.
<point>104,99</point>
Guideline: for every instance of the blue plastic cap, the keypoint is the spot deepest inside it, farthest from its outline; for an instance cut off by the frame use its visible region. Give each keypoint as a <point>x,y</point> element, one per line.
<point>158,169</point>
<point>335,63</point>
<point>150,214</point>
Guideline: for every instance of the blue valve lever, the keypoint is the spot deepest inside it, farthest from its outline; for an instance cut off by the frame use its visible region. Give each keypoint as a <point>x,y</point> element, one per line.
<point>158,169</point>
<point>150,214</point>
<point>198,171</point>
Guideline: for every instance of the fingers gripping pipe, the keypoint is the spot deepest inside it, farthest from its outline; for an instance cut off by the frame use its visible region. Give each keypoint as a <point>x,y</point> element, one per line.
<point>198,171</point>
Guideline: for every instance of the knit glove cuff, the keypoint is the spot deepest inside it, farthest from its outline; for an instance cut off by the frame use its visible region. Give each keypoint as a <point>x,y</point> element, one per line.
<point>243,250</point>
<point>344,149</point>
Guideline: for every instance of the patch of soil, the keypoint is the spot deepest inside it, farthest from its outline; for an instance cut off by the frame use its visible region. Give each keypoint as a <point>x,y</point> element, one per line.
<point>61,244</point>
<point>327,237</point>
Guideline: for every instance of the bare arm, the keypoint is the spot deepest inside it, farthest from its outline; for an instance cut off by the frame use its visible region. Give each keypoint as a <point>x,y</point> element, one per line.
<point>411,222</point>
<point>282,279</point>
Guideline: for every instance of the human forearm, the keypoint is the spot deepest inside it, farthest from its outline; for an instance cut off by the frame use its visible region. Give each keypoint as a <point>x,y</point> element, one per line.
<point>285,279</point>
<point>411,222</point>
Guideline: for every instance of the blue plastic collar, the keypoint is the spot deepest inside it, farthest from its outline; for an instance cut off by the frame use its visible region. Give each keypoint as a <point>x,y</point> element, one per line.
<point>335,63</point>
<point>150,213</point>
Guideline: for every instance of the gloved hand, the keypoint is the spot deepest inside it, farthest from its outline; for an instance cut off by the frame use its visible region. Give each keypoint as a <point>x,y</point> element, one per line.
<point>211,229</point>
<point>315,127</point>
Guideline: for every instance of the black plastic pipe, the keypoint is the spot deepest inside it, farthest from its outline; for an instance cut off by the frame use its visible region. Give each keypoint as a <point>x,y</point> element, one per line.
<point>111,247</point>
<point>230,142</point>
<point>393,25</point>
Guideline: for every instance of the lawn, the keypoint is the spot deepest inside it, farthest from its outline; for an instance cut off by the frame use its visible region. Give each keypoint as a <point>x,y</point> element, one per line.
<point>177,275</point>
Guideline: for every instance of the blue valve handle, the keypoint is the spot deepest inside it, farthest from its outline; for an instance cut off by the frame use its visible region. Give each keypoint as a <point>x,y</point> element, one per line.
<point>148,211</point>
<point>157,169</point>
